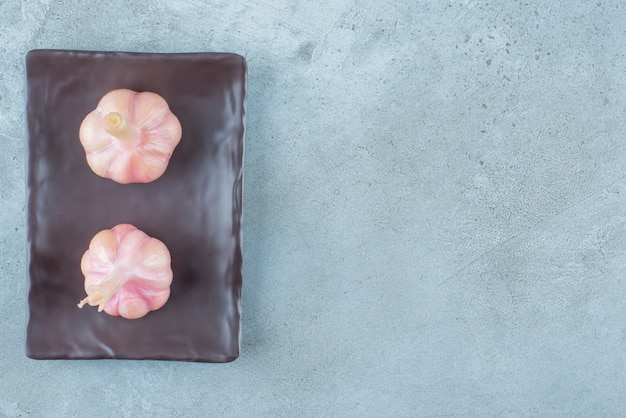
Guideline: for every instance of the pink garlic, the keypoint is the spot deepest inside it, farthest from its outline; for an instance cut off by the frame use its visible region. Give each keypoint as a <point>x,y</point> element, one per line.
<point>130,136</point>
<point>126,272</point>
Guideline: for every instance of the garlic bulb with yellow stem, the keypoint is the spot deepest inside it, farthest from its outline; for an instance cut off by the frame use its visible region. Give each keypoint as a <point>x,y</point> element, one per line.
<point>130,136</point>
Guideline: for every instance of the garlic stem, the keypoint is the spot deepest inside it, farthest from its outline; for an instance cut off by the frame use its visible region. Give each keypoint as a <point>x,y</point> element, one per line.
<point>100,294</point>
<point>117,125</point>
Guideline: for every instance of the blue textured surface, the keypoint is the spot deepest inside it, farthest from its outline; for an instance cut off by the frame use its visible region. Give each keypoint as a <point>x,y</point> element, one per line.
<point>434,209</point>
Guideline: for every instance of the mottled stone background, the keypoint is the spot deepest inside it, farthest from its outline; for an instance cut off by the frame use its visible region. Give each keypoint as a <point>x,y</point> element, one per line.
<point>435,209</point>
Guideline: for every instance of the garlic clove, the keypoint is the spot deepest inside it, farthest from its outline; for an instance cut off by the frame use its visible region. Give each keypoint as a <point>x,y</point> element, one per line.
<point>127,272</point>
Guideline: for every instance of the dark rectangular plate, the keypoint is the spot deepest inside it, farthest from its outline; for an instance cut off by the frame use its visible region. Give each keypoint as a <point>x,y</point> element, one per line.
<point>195,208</point>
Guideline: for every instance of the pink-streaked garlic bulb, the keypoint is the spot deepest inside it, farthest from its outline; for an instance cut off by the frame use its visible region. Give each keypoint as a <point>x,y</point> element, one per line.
<point>127,273</point>
<point>130,136</point>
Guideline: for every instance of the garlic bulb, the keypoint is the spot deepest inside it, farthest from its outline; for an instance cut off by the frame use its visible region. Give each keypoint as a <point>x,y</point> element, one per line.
<point>130,136</point>
<point>126,272</point>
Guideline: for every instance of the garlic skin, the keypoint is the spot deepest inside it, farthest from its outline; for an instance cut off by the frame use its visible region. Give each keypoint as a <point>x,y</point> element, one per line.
<point>127,273</point>
<point>130,136</point>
